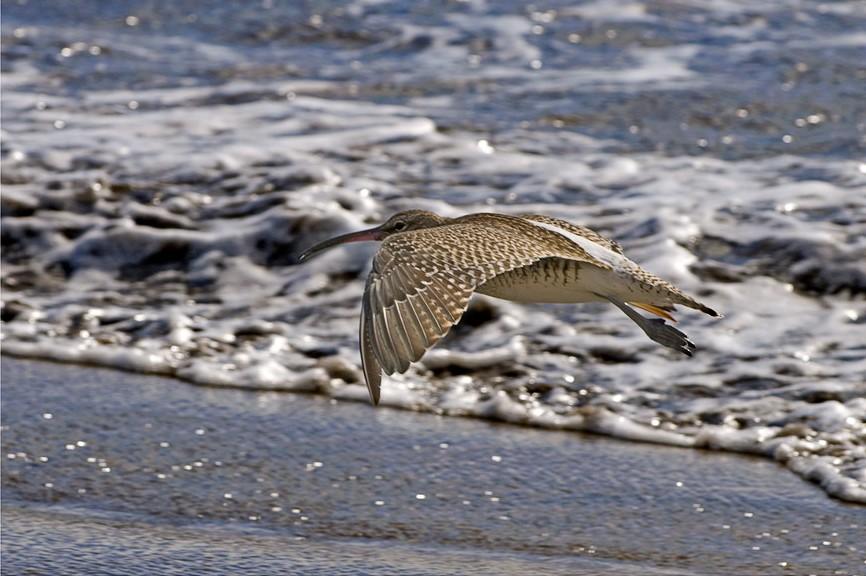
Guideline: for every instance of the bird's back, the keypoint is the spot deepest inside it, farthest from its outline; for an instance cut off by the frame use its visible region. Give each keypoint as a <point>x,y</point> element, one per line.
<point>566,280</point>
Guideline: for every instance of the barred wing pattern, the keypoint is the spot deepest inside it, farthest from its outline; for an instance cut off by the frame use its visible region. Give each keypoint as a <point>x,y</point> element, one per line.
<point>422,281</point>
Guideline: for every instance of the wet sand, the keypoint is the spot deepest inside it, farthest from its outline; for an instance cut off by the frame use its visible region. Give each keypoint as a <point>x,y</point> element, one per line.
<point>164,165</point>
<point>106,472</point>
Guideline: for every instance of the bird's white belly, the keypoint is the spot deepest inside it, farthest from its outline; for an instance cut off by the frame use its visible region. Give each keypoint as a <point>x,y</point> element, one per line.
<point>558,281</point>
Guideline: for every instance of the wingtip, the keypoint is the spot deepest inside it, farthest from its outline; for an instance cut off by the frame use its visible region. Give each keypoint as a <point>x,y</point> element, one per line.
<point>374,386</point>
<point>374,395</point>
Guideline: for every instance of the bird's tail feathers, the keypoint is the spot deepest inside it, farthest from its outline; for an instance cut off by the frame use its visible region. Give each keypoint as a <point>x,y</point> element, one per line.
<point>694,304</point>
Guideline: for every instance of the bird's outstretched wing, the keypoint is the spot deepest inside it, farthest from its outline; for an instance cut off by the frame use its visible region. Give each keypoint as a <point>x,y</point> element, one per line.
<point>422,281</point>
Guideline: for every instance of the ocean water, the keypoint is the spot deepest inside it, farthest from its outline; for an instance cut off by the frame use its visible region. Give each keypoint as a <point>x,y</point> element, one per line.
<point>163,165</point>
<point>106,472</point>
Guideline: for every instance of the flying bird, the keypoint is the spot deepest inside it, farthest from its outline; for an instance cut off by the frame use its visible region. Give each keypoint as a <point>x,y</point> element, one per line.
<point>428,266</point>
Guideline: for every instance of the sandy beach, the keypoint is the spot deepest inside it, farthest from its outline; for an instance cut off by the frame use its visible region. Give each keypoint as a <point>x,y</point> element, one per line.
<point>164,167</point>
<point>107,472</point>
<point>181,394</point>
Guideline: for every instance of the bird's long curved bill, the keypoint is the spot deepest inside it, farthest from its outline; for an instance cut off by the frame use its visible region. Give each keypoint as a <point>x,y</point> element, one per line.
<point>362,236</point>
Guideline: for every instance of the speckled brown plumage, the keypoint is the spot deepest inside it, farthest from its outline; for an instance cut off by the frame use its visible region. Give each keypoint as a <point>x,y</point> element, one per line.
<point>428,267</point>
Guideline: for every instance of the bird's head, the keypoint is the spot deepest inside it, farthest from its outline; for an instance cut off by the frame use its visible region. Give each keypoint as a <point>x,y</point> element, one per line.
<point>399,222</point>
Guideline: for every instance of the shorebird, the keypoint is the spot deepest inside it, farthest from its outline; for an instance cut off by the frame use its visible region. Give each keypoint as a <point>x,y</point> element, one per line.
<point>428,266</point>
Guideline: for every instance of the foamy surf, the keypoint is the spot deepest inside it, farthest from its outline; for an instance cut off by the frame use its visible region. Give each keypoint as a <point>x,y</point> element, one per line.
<point>152,223</point>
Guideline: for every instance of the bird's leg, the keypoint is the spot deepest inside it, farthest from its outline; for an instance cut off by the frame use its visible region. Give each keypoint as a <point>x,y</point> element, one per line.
<point>656,328</point>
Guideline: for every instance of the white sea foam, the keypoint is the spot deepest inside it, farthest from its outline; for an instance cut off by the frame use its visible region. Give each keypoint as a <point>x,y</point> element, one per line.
<point>163,237</point>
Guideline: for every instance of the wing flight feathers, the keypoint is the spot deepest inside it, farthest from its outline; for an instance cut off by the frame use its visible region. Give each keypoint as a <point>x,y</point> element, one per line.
<point>422,281</point>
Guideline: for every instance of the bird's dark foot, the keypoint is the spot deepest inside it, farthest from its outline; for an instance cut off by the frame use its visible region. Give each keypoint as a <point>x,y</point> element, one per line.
<point>657,329</point>
<point>666,335</point>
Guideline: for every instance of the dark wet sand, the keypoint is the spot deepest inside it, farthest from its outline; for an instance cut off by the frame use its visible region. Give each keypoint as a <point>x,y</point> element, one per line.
<point>174,478</point>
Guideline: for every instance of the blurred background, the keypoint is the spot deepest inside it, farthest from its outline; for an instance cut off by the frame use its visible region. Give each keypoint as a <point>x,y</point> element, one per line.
<point>164,164</point>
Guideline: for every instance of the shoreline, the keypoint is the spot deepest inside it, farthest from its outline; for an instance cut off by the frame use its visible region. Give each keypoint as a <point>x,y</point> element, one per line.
<point>591,420</point>
<point>325,470</point>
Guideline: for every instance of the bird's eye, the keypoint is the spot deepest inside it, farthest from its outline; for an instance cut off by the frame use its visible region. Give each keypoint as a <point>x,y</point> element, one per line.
<point>399,226</point>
